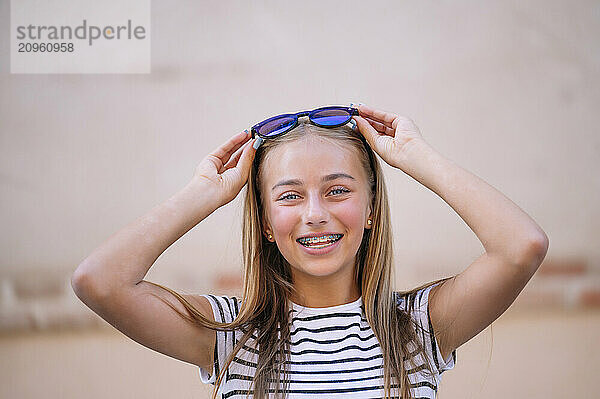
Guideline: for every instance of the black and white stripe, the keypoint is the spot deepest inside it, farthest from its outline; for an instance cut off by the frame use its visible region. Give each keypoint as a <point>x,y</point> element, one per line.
<point>333,352</point>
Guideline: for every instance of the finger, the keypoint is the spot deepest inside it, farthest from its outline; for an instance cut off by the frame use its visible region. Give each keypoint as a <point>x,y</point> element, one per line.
<point>387,118</point>
<point>381,128</point>
<point>223,152</point>
<point>370,118</point>
<point>234,160</point>
<point>367,130</point>
<point>237,146</point>
<point>228,156</point>
<point>246,158</point>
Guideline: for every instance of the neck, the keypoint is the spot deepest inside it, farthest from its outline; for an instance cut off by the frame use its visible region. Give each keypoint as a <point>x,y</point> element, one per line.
<point>326,291</point>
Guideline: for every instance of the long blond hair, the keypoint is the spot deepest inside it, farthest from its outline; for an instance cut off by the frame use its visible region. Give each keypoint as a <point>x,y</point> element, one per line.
<point>268,280</point>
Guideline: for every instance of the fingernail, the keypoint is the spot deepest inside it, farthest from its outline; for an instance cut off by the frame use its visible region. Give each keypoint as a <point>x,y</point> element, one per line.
<point>247,132</point>
<point>257,143</point>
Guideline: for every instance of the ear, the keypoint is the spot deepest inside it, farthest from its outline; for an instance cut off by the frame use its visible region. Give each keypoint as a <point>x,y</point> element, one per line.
<point>266,228</point>
<point>369,217</point>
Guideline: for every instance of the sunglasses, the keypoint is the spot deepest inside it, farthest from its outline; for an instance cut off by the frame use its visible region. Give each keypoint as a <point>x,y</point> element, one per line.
<point>333,116</point>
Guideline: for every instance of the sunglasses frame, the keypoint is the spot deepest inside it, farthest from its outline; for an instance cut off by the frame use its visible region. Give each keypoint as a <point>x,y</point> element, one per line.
<point>352,111</point>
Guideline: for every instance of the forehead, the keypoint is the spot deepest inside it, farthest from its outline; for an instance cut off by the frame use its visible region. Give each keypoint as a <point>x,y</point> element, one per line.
<point>309,159</point>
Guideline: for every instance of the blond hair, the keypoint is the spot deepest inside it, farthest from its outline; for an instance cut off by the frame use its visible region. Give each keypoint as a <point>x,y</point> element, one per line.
<point>268,282</point>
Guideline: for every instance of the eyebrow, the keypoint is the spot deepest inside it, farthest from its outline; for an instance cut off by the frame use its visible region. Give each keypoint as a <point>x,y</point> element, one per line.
<point>298,182</point>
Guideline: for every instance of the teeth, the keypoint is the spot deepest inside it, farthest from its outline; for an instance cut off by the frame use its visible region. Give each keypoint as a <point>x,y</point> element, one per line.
<point>320,239</point>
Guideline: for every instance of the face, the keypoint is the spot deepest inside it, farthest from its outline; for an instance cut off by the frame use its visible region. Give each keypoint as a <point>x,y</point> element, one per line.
<point>315,186</point>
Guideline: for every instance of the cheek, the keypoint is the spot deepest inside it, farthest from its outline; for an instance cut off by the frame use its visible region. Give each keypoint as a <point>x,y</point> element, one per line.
<point>284,219</point>
<point>350,214</point>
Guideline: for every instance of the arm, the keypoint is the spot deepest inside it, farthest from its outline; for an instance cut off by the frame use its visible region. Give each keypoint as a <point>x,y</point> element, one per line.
<point>125,258</point>
<point>514,247</point>
<point>514,244</point>
<point>110,280</point>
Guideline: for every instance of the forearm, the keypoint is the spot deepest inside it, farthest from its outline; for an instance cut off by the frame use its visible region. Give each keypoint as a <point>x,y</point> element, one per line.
<point>126,257</point>
<point>501,226</point>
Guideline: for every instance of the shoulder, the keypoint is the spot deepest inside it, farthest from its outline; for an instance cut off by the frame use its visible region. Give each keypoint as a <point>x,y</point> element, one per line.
<point>225,308</point>
<point>415,299</point>
<point>416,304</point>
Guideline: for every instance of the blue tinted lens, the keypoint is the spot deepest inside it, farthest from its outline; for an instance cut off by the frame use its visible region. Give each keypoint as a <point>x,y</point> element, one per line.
<point>276,126</point>
<point>330,117</point>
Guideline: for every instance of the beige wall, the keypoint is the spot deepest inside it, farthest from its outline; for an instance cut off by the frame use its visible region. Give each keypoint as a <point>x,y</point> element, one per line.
<point>508,90</point>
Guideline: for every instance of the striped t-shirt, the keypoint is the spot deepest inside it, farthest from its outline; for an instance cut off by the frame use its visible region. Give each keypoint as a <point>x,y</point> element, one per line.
<point>334,352</point>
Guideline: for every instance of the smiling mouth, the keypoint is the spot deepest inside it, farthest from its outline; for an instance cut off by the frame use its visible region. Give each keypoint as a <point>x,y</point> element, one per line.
<point>319,242</point>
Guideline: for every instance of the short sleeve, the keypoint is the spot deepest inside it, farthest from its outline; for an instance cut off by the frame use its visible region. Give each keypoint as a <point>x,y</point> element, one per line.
<point>225,310</point>
<point>420,313</point>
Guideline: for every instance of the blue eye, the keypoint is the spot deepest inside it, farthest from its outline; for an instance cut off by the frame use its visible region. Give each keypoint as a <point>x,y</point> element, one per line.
<point>343,190</point>
<point>286,196</point>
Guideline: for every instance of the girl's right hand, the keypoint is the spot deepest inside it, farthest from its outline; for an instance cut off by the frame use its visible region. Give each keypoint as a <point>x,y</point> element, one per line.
<point>224,173</point>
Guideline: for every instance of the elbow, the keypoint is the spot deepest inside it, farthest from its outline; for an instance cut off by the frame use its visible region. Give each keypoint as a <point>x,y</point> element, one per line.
<point>534,252</point>
<point>80,282</point>
<point>84,284</point>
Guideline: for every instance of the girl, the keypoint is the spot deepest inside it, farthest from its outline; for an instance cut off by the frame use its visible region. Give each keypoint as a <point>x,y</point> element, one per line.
<point>318,316</point>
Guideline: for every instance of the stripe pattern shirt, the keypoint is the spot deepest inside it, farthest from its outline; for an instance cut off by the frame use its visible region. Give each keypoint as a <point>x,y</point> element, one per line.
<point>334,352</point>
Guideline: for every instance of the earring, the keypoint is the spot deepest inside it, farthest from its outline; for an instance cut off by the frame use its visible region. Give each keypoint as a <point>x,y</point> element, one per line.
<point>270,236</point>
<point>369,222</point>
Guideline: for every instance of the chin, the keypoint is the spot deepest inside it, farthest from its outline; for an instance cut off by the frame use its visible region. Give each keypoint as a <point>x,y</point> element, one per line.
<point>316,270</point>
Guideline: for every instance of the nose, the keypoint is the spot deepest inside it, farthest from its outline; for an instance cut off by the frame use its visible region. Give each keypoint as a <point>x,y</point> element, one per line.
<point>316,213</point>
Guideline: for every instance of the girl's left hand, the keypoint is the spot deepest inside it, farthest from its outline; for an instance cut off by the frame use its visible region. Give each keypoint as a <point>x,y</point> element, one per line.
<point>389,135</point>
